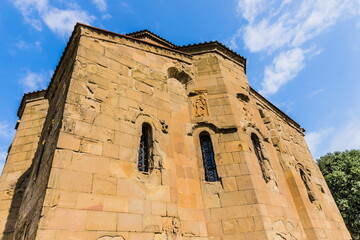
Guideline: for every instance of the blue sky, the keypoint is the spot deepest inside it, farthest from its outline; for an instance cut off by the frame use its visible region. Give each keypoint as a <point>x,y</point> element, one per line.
<point>303,55</point>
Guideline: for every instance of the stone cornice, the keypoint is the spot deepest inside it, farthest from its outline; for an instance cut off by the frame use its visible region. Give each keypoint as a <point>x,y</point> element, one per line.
<point>29,97</point>
<point>275,109</point>
<point>153,36</point>
<point>102,31</point>
<point>200,48</point>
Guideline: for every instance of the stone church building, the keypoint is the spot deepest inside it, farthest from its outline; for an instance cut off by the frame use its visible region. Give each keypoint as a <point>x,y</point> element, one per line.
<point>137,138</point>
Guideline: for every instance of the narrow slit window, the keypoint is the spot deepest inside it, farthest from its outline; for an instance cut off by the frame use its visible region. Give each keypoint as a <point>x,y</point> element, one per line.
<point>208,157</point>
<point>145,149</point>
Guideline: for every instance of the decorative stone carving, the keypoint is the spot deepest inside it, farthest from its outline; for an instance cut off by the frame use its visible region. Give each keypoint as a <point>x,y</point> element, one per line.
<point>309,188</point>
<point>111,238</point>
<point>264,162</point>
<point>164,126</point>
<point>199,106</point>
<point>243,97</point>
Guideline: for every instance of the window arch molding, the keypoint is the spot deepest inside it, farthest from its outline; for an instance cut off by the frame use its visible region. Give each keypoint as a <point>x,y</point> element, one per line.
<point>198,134</point>
<point>251,128</point>
<point>257,140</point>
<point>146,123</point>
<point>182,76</point>
<point>304,174</point>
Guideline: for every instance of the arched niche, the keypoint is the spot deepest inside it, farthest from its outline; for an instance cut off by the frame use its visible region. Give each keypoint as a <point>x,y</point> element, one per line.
<point>180,75</point>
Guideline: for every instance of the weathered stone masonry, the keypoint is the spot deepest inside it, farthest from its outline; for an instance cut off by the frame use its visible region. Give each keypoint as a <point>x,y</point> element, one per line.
<point>139,139</point>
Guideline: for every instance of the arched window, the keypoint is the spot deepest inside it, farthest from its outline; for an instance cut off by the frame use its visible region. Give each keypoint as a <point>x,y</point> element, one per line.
<point>208,157</point>
<point>145,149</point>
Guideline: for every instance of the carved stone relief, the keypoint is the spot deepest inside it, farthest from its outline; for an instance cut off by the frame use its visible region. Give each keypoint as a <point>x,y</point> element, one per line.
<point>199,106</point>
<point>309,188</point>
<point>264,162</point>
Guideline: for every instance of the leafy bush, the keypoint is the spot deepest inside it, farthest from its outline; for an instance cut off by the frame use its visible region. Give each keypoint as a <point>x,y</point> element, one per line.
<point>342,174</point>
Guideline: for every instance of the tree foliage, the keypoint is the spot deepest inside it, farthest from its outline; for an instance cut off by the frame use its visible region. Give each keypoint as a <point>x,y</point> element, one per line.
<point>342,174</point>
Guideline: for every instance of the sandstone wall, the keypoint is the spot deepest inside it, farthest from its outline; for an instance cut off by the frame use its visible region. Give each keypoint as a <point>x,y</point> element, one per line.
<point>316,207</point>
<point>15,174</point>
<point>242,205</point>
<point>32,209</point>
<point>85,182</point>
<point>117,85</point>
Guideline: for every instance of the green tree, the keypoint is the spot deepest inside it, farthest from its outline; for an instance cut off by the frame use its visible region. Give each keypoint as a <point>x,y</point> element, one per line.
<point>342,174</point>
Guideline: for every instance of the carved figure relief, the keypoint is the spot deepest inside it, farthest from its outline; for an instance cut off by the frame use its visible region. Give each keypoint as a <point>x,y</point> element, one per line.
<point>267,172</point>
<point>310,189</point>
<point>199,106</point>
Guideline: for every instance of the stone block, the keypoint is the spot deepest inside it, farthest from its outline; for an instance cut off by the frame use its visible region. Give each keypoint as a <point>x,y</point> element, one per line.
<point>214,228</point>
<point>116,204</point>
<point>152,223</point>
<point>90,163</point>
<point>89,201</point>
<point>244,182</point>
<point>159,193</point>
<point>110,150</point>
<point>211,200</point>
<point>92,147</point>
<point>229,184</point>
<point>68,141</point>
<point>101,221</point>
<point>137,205</point>
<point>53,219</point>
<point>190,228</point>
<point>228,199</point>
<point>122,169</point>
<point>141,236</point>
<point>129,222</point>
<point>158,208</point>
<point>105,185</point>
<point>130,188</point>
<point>70,180</point>
<point>228,226</point>
<point>234,146</point>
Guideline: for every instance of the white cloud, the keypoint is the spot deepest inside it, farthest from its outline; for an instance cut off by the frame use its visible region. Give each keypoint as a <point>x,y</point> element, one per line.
<point>29,9</point>
<point>106,16</point>
<point>100,4</point>
<point>34,81</point>
<point>266,36</point>
<point>316,92</point>
<point>283,68</point>
<point>124,5</point>
<point>314,140</point>
<point>22,45</point>
<point>60,21</point>
<point>250,9</point>
<point>281,26</point>
<point>272,25</point>
<point>346,137</point>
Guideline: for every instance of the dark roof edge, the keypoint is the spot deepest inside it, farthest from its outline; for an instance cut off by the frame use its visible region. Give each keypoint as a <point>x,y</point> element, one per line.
<point>71,38</point>
<point>277,110</point>
<point>152,35</point>
<point>132,38</point>
<point>191,48</point>
<point>29,97</point>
